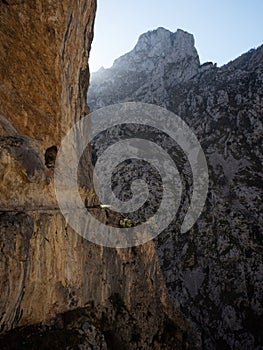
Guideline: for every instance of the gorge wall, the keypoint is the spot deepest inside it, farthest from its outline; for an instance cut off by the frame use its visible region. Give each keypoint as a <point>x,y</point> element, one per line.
<point>46,268</point>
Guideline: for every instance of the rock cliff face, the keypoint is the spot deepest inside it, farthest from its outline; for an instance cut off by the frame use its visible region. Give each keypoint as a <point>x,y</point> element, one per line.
<point>44,57</point>
<point>46,268</point>
<point>214,271</point>
<point>41,94</point>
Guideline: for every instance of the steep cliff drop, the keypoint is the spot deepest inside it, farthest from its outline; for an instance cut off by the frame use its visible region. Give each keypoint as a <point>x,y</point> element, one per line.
<point>62,290</point>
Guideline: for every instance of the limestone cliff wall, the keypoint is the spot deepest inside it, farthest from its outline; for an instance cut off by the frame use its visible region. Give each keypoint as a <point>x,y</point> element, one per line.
<point>45,267</point>
<point>44,59</point>
<point>44,78</point>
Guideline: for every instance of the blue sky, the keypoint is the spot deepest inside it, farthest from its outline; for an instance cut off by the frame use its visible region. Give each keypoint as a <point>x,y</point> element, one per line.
<point>222,29</point>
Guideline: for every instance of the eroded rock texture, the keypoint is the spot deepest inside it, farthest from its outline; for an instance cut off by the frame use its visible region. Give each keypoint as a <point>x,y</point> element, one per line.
<point>53,270</point>
<point>44,57</point>
<point>214,271</point>
<point>45,267</point>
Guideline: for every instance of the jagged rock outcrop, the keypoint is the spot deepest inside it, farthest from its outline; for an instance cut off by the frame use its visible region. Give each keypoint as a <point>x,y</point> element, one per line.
<point>214,271</point>
<point>159,58</point>
<point>46,268</point>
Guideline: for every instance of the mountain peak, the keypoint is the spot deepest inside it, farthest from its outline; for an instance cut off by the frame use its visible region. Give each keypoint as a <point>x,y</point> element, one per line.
<point>162,34</point>
<point>162,40</point>
<point>156,45</point>
<point>159,55</point>
<point>152,37</point>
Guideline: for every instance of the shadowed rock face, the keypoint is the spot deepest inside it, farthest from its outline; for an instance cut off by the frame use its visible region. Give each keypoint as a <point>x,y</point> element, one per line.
<point>214,271</point>
<point>45,267</point>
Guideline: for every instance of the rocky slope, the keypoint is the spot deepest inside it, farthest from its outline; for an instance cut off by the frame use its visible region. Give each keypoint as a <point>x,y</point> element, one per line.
<point>46,269</point>
<point>215,270</point>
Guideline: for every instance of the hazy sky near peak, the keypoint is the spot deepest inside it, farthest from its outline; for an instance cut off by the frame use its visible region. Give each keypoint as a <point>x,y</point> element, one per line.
<point>222,29</point>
